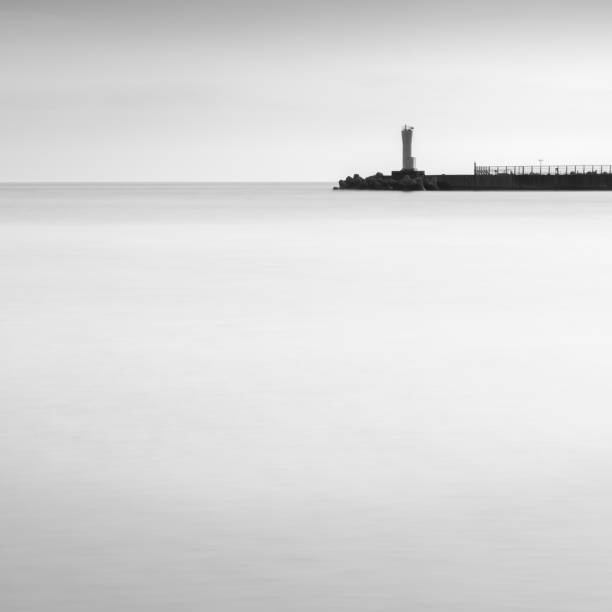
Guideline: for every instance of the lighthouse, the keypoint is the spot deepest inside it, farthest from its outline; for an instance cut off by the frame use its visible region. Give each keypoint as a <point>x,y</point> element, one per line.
<point>408,162</point>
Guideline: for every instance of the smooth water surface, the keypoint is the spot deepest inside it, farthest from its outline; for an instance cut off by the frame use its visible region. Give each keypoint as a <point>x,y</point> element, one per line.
<point>284,398</point>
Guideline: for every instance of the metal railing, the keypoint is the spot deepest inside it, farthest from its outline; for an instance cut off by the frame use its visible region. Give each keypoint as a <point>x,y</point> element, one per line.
<point>544,169</point>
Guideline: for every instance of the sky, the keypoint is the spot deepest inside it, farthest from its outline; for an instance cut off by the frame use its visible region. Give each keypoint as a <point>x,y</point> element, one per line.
<point>239,90</point>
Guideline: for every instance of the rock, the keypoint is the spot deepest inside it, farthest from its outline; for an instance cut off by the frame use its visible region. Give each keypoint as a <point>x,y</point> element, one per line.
<point>398,181</point>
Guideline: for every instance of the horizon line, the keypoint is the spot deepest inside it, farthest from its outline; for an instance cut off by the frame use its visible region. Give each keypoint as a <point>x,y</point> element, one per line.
<point>139,182</point>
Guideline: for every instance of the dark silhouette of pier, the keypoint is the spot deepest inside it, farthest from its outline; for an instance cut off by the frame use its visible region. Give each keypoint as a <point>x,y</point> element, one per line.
<point>564,177</point>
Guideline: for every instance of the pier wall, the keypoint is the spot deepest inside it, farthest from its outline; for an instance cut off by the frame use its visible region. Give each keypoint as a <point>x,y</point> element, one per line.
<point>565,182</point>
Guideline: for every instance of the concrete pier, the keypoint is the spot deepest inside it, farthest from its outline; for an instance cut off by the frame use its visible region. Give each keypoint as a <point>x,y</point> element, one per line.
<point>528,182</point>
<point>563,177</point>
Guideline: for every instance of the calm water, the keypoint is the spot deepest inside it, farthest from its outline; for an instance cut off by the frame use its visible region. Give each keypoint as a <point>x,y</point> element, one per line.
<point>279,397</point>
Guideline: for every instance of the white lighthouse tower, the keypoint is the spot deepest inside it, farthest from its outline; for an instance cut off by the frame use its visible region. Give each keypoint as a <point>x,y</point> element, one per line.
<point>408,162</point>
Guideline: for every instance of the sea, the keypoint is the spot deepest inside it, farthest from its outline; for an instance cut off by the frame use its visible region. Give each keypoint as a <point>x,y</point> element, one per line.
<point>280,397</point>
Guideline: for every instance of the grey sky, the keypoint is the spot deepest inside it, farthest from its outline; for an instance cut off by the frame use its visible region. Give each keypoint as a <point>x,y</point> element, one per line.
<point>266,90</point>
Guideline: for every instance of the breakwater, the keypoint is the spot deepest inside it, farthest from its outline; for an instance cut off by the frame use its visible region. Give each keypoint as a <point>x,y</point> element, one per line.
<point>410,180</point>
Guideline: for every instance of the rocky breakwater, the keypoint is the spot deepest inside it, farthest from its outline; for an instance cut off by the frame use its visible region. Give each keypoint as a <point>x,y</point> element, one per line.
<point>397,181</point>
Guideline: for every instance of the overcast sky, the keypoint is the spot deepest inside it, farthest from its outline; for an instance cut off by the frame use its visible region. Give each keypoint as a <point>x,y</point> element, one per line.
<point>271,90</point>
